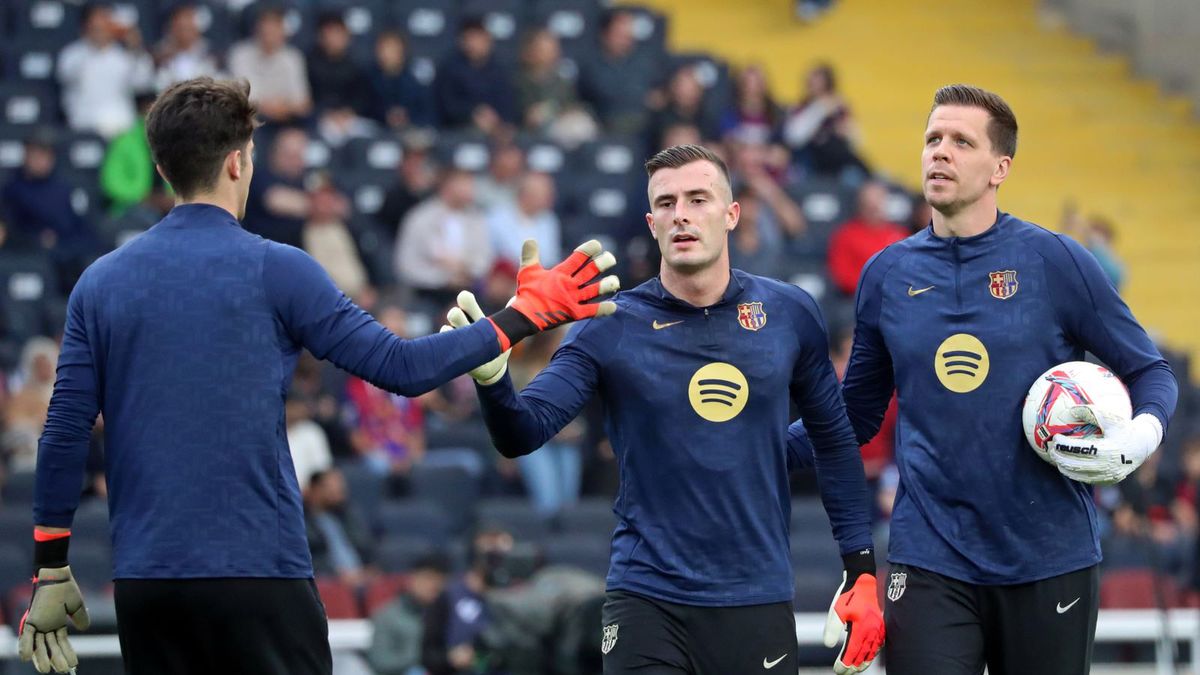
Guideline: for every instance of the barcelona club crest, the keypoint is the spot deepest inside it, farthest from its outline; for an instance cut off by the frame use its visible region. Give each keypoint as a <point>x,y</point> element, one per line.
<point>751,315</point>
<point>1003,284</point>
<point>898,584</point>
<point>610,638</point>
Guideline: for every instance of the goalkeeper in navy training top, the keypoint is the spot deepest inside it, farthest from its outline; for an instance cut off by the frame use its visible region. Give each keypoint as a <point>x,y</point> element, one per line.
<point>185,339</point>
<point>696,372</point>
<point>994,551</point>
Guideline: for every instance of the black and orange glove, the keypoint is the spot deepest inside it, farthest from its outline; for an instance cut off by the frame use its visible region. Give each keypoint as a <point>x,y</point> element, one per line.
<point>547,298</point>
<point>56,597</point>
<point>855,611</point>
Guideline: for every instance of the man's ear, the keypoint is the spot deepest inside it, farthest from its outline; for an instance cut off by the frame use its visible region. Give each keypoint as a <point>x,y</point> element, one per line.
<point>234,164</point>
<point>650,224</point>
<point>1001,171</point>
<point>732,215</point>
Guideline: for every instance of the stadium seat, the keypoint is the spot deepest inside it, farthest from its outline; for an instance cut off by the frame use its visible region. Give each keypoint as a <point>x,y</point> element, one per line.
<point>617,155</point>
<point>383,590</point>
<point>12,146</point>
<point>366,188</point>
<point>589,516</point>
<point>414,518</point>
<point>16,527</point>
<point>808,516</point>
<point>32,306</point>
<point>17,489</point>
<point>91,563</point>
<point>649,29</point>
<point>140,13</point>
<point>826,204</point>
<point>453,488</point>
<point>26,104</point>
<point>587,552</point>
<point>377,154</point>
<point>815,553</point>
<point>542,154</point>
<point>431,25</point>
<point>15,561</point>
<point>338,599</point>
<point>506,20</point>
<point>364,488</point>
<point>26,58</point>
<point>517,515</point>
<point>464,150</point>
<point>1135,589</point>
<point>54,22</point>
<point>398,553</point>
<point>574,22</point>
<point>81,151</point>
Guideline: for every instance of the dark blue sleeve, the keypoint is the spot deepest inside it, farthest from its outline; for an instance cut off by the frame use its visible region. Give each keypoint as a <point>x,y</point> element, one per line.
<point>840,476</point>
<point>799,448</point>
<point>63,447</point>
<point>521,423</point>
<point>869,381</point>
<point>1097,319</point>
<point>322,319</point>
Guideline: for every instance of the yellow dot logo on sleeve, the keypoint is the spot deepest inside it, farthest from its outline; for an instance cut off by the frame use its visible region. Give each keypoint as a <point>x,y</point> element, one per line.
<point>718,392</point>
<point>961,363</point>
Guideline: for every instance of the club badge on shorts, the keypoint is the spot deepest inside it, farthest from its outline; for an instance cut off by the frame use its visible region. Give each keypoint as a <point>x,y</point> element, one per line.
<point>751,316</point>
<point>610,638</point>
<point>897,585</point>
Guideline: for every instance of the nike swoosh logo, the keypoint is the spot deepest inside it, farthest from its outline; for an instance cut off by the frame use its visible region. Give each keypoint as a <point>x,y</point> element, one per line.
<point>771,664</point>
<point>919,291</point>
<point>1063,610</point>
<point>660,326</point>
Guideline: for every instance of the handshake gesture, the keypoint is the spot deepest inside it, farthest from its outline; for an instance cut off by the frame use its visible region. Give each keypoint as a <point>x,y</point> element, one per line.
<point>546,298</point>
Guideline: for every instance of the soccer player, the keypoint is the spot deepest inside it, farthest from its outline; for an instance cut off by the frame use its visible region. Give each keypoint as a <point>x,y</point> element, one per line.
<point>993,551</point>
<point>185,340</point>
<point>696,372</point>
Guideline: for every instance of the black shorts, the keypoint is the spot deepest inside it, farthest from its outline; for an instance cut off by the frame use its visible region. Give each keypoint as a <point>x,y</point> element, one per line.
<point>936,624</point>
<point>645,636</point>
<point>203,626</point>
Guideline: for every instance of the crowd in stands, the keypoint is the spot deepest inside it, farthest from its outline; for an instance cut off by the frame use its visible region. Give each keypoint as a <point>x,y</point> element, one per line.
<point>410,147</point>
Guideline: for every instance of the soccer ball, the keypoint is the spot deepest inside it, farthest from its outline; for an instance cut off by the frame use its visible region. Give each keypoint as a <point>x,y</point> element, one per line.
<point>1047,409</point>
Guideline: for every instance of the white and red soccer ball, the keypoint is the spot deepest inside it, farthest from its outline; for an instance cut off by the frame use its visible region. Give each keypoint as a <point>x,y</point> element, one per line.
<point>1047,409</point>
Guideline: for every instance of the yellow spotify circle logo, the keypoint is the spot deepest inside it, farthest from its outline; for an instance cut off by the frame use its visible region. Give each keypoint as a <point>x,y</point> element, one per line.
<point>961,363</point>
<point>718,392</point>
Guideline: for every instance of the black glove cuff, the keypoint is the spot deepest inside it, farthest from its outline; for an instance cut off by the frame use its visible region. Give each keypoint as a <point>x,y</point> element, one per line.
<point>515,325</point>
<point>52,553</point>
<point>857,564</point>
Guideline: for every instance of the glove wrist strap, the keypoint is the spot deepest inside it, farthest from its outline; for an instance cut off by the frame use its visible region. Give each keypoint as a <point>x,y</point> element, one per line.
<point>511,327</point>
<point>50,550</point>
<point>857,564</point>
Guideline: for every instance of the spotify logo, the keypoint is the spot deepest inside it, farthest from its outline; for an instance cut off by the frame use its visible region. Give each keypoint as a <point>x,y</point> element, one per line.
<point>961,363</point>
<point>718,392</point>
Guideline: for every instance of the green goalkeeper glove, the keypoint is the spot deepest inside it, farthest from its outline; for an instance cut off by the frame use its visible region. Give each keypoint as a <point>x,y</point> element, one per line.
<point>56,596</point>
<point>468,312</point>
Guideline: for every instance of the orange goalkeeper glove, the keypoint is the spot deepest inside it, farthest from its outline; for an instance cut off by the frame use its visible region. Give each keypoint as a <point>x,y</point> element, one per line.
<point>547,298</point>
<point>857,607</point>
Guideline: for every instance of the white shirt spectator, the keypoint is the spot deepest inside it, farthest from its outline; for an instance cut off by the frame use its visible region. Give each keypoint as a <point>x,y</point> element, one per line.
<point>310,450</point>
<point>510,227</point>
<point>280,75</point>
<point>99,83</point>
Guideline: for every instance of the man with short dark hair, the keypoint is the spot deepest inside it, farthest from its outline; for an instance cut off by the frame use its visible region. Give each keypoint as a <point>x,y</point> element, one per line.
<point>696,372</point>
<point>994,552</point>
<point>185,339</point>
<point>472,87</point>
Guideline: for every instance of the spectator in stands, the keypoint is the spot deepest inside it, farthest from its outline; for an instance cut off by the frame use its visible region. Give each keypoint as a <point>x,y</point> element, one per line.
<point>498,187</point>
<point>102,71</point>
<point>307,442</point>
<point>444,245</point>
<point>855,241</point>
<point>417,177</point>
<point>1097,234</point>
<point>340,89</point>
<point>397,630</point>
<point>327,238</point>
<point>388,430</point>
<point>314,385</point>
<point>499,286</point>
<point>460,614</point>
<point>548,101</point>
<point>530,217</point>
<point>820,130</point>
<point>279,205</point>
<point>183,53</point>
<point>680,134</point>
<point>552,474</point>
<point>37,207</point>
<point>127,175</point>
<point>1154,509</point>
<point>617,81</point>
<point>25,414</point>
<point>921,215</point>
<point>400,100</point>
<point>750,249</point>
<point>473,89</point>
<point>338,538</point>
<point>754,117</point>
<point>685,104</point>
<point>276,71</point>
